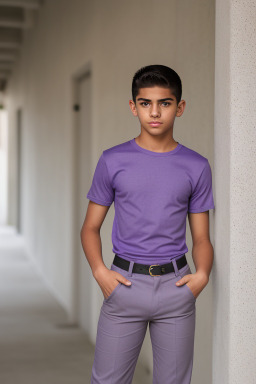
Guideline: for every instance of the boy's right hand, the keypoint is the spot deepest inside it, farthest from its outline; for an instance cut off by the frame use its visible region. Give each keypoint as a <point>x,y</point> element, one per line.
<point>108,280</point>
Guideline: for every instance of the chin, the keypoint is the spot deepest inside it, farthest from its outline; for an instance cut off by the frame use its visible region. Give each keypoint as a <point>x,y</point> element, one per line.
<point>156,131</point>
<point>152,132</point>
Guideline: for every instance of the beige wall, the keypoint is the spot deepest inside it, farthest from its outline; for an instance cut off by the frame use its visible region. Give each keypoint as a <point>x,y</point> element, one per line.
<point>117,38</point>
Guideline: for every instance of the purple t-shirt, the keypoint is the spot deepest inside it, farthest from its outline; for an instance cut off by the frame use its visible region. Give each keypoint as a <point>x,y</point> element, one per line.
<point>152,194</point>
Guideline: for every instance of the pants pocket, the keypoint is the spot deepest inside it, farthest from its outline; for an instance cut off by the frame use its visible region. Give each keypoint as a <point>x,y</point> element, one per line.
<point>185,272</point>
<point>113,292</point>
<point>190,292</point>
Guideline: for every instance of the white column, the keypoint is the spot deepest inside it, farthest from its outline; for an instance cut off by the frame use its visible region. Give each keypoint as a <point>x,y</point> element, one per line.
<point>3,166</point>
<point>234,271</point>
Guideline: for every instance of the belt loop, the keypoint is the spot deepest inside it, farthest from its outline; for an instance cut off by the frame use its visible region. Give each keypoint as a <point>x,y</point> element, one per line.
<point>130,268</point>
<point>176,270</point>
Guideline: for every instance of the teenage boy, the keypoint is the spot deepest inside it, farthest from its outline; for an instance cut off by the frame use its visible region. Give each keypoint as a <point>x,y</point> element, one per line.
<point>154,182</point>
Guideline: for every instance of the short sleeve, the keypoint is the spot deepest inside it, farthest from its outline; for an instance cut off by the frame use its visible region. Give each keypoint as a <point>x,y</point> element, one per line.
<point>201,198</point>
<point>101,191</point>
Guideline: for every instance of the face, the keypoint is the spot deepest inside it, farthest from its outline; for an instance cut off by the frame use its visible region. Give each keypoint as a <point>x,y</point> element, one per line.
<point>157,105</point>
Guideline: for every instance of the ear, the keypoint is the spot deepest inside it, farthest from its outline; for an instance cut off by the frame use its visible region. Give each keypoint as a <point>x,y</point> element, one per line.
<point>180,108</point>
<point>133,108</point>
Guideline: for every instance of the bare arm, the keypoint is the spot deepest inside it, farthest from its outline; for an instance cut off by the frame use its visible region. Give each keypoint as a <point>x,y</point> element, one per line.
<point>92,246</point>
<point>202,252</point>
<point>90,235</point>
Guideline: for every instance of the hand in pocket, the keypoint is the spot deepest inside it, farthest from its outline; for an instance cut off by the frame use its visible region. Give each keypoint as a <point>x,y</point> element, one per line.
<point>197,282</point>
<point>108,280</point>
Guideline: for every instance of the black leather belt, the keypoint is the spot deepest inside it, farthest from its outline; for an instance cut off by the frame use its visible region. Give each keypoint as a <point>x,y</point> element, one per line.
<point>153,269</point>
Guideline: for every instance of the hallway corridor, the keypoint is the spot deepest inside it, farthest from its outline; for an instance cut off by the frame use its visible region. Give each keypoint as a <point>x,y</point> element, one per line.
<point>36,344</point>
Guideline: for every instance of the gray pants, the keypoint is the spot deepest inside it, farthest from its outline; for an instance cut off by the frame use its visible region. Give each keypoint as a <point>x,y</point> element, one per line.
<point>169,310</point>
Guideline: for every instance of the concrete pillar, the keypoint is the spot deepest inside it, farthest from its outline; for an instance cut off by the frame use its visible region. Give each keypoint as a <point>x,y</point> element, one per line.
<point>234,271</point>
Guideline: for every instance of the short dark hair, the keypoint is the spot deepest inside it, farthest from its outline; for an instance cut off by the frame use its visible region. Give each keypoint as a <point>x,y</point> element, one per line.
<point>157,75</point>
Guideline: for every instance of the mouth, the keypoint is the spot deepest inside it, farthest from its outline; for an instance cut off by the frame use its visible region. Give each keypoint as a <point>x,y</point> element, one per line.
<point>154,123</point>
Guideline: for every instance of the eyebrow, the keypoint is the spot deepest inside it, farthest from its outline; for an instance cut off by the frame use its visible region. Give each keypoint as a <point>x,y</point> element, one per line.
<point>167,98</point>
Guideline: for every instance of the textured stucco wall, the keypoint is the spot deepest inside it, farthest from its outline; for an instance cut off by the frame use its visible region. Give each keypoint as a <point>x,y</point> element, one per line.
<point>242,192</point>
<point>234,351</point>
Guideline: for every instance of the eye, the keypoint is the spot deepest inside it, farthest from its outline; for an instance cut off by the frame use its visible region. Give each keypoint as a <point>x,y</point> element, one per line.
<point>143,103</point>
<point>166,103</point>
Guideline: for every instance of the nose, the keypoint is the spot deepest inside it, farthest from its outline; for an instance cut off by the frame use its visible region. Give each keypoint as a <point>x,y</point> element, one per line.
<point>155,111</point>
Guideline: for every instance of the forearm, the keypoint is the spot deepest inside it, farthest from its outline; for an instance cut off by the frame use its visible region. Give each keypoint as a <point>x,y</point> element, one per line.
<point>91,243</point>
<point>202,254</point>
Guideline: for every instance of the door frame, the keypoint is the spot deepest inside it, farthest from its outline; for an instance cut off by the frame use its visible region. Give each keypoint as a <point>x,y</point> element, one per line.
<point>77,77</point>
<point>19,133</point>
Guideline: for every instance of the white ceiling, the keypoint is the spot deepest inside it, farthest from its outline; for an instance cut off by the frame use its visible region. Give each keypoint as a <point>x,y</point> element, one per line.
<point>16,16</point>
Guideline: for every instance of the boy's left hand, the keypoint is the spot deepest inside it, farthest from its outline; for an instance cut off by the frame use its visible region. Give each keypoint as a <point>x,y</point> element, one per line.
<point>197,281</point>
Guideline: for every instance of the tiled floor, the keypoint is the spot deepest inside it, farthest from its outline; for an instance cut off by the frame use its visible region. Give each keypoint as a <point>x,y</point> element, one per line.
<point>34,346</point>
